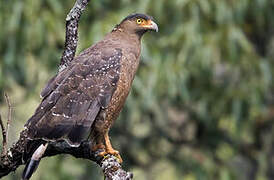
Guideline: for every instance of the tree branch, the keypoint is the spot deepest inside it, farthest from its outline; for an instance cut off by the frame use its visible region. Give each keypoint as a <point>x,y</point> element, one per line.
<point>9,115</point>
<point>4,135</point>
<point>22,150</point>
<point>71,41</point>
<point>5,130</point>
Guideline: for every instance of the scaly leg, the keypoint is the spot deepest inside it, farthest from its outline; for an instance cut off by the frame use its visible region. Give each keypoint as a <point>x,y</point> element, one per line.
<point>109,149</point>
<point>97,142</point>
<point>98,146</point>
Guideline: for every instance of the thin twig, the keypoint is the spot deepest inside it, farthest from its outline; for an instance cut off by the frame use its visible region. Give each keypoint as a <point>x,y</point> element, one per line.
<point>4,134</point>
<point>9,116</point>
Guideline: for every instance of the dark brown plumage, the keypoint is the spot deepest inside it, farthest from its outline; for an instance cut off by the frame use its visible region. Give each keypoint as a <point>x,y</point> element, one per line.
<point>86,97</point>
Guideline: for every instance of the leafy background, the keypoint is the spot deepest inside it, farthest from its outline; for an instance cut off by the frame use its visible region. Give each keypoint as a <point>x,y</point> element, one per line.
<point>201,105</point>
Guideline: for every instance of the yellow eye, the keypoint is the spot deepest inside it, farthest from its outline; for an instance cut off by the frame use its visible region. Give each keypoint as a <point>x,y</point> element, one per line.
<point>139,21</point>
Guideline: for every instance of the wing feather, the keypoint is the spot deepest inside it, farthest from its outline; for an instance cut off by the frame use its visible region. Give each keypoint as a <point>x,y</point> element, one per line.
<point>73,98</point>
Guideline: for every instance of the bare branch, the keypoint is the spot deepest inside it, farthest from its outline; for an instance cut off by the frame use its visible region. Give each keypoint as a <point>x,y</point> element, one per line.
<point>4,134</point>
<point>18,155</point>
<point>72,33</point>
<point>9,116</point>
<point>113,170</point>
<point>5,130</point>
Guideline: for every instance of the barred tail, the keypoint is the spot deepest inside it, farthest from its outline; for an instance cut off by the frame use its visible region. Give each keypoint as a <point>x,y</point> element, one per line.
<point>32,165</point>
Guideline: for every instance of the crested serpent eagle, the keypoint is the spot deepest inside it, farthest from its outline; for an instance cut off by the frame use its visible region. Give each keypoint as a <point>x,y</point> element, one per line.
<point>84,99</point>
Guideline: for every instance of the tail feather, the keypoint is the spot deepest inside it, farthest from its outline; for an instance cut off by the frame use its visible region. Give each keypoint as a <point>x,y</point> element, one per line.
<point>32,165</point>
<point>30,168</point>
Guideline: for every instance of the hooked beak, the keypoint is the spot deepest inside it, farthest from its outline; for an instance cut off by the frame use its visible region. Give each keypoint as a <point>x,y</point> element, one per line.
<point>151,26</point>
<point>154,26</point>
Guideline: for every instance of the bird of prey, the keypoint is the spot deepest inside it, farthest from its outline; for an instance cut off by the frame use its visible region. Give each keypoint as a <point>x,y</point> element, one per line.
<point>84,99</point>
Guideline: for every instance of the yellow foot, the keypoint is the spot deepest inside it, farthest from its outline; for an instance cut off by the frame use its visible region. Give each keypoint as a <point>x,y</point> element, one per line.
<point>112,152</point>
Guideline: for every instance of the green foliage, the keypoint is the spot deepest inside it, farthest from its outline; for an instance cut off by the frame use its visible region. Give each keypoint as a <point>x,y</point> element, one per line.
<point>201,105</point>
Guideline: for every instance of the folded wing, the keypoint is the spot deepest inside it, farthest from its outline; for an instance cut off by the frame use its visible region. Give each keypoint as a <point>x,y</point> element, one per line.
<point>73,98</point>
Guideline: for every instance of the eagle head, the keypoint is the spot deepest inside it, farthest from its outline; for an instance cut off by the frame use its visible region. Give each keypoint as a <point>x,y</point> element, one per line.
<point>138,24</point>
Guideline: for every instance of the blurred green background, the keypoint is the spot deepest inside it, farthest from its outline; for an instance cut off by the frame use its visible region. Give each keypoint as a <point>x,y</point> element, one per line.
<point>201,105</point>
